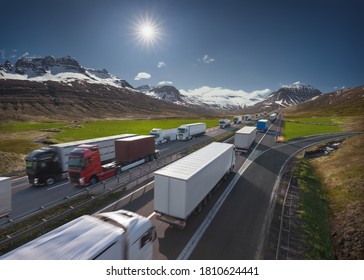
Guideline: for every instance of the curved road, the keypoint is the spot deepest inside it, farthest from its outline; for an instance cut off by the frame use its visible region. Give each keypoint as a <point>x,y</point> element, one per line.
<point>233,225</point>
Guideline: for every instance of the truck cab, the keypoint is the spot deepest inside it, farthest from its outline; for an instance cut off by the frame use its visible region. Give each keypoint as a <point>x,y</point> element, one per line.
<point>43,167</point>
<point>158,135</point>
<point>84,164</point>
<point>224,123</point>
<point>183,133</point>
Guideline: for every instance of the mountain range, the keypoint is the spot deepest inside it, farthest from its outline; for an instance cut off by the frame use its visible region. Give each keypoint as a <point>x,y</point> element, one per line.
<point>65,81</point>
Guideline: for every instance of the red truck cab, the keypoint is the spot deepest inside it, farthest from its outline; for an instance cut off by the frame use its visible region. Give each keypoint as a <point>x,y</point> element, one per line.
<point>84,165</point>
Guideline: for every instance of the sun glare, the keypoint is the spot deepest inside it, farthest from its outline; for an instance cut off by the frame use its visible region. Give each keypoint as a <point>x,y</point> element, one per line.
<point>147,31</point>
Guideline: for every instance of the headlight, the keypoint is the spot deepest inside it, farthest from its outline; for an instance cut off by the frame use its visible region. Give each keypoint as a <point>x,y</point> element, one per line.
<point>36,180</point>
<point>82,180</point>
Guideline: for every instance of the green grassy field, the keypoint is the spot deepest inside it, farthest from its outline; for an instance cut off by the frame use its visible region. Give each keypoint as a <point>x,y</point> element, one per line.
<point>314,213</point>
<point>93,129</point>
<point>28,126</point>
<point>300,127</point>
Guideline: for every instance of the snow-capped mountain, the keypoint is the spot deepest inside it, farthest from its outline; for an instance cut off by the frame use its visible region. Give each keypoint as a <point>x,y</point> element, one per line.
<point>216,98</point>
<point>289,95</point>
<point>64,69</point>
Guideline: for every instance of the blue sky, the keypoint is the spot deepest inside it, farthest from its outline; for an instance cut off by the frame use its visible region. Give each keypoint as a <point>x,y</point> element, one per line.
<point>233,44</point>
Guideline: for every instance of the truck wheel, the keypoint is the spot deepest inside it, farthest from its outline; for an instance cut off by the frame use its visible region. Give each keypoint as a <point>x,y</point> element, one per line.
<point>93,180</point>
<point>49,181</point>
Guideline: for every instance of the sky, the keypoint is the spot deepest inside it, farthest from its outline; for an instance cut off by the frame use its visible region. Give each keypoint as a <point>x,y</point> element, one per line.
<point>237,45</point>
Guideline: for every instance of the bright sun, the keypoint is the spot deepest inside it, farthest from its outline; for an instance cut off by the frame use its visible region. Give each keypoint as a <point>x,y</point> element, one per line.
<point>147,31</point>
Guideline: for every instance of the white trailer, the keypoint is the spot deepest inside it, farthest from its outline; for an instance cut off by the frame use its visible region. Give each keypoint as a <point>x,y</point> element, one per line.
<point>188,131</point>
<point>105,144</point>
<point>273,117</point>
<point>163,135</point>
<point>5,197</point>
<point>119,235</point>
<point>244,138</point>
<point>184,185</point>
<point>46,165</point>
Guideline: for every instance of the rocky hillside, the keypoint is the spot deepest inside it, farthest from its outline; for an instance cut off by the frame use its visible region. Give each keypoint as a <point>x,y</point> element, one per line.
<point>27,100</point>
<point>286,96</point>
<point>347,102</point>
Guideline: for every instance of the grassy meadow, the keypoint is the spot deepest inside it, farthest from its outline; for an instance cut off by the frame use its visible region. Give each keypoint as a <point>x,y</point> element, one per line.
<point>301,127</point>
<point>17,139</point>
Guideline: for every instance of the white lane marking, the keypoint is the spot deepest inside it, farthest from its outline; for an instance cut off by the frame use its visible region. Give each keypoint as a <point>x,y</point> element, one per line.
<point>150,216</point>
<point>60,185</point>
<point>163,150</point>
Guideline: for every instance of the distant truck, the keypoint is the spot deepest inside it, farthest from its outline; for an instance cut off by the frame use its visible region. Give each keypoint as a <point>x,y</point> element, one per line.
<point>244,138</point>
<point>237,119</point>
<point>273,117</point>
<point>184,186</point>
<point>119,235</point>
<point>188,131</point>
<point>162,136</point>
<point>224,123</point>
<point>46,165</point>
<point>262,125</point>
<point>5,197</point>
<point>247,117</point>
<point>85,166</point>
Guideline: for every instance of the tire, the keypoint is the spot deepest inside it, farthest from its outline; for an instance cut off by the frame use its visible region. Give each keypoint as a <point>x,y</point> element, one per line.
<point>93,180</point>
<point>49,181</point>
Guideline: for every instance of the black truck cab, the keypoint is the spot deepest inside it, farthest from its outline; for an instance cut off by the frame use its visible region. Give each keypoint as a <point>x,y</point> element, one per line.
<point>43,167</point>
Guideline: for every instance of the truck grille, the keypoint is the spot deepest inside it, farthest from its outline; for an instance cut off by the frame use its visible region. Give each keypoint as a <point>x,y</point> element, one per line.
<point>74,177</point>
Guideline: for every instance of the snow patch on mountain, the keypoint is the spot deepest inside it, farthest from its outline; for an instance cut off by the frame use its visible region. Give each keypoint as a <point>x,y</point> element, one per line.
<point>64,70</point>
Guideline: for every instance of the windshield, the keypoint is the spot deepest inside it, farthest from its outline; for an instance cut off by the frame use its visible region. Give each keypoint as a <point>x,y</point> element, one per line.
<point>181,130</point>
<point>31,164</point>
<point>156,135</point>
<point>75,163</point>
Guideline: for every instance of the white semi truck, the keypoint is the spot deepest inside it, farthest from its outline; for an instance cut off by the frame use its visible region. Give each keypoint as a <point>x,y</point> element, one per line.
<point>119,235</point>
<point>224,123</point>
<point>237,119</point>
<point>5,197</point>
<point>46,165</point>
<point>188,131</point>
<point>185,185</point>
<point>244,138</point>
<point>163,135</point>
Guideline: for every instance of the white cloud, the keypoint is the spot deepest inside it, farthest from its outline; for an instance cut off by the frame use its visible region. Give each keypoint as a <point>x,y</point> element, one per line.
<point>206,59</point>
<point>224,97</point>
<point>24,55</point>
<point>161,64</point>
<point>165,83</point>
<point>142,75</point>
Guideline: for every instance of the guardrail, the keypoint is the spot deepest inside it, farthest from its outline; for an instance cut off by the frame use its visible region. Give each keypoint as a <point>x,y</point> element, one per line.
<point>40,219</point>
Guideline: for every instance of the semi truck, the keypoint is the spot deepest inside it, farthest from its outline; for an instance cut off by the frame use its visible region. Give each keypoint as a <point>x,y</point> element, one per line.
<point>247,117</point>
<point>262,125</point>
<point>48,164</point>
<point>5,197</point>
<point>85,166</point>
<point>163,135</point>
<point>224,123</point>
<point>272,117</point>
<point>237,119</point>
<point>184,186</point>
<point>118,235</point>
<point>244,138</point>
<point>188,131</point>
